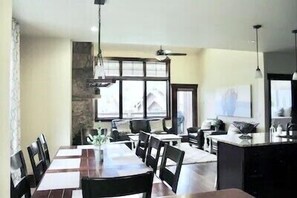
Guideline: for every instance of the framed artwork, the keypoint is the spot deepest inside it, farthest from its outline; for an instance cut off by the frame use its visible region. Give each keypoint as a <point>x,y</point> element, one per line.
<point>234,101</point>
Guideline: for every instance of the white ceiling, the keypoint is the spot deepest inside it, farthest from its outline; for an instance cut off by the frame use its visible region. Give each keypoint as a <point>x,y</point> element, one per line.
<point>223,24</point>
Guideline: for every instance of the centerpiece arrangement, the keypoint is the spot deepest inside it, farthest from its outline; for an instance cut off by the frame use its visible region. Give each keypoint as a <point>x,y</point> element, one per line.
<point>98,140</point>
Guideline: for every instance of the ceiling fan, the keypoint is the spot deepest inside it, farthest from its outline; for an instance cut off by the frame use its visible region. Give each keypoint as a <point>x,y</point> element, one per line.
<point>162,54</point>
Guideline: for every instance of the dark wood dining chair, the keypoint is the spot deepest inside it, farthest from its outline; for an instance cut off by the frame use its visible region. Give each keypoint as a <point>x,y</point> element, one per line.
<point>20,184</point>
<point>118,186</point>
<point>142,145</point>
<point>44,149</point>
<point>152,160</point>
<point>166,175</point>
<point>37,161</point>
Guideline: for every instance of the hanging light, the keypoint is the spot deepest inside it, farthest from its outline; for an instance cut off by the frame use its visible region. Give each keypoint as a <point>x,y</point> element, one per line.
<point>97,93</point>
<point>99,79</point>
<point>258,70</point>
<point>295,73</point>
<point>98,66</point>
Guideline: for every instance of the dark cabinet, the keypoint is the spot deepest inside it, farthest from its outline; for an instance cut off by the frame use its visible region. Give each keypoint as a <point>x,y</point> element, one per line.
<point>262,171</point>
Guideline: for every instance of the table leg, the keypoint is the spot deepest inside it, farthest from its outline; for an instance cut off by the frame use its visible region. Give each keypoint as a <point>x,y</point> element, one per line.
<point>178,143</point>
<point>210,145</point>
<point>134,144</point>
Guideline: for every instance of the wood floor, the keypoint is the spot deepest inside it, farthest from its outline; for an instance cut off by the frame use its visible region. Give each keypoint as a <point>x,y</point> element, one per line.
<point>197,178</point>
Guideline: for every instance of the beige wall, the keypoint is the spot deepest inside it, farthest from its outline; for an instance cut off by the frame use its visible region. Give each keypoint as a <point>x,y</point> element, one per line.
<point>212,69</point>
<point>5,30</point>
<point>223,68</point>
<point>184,69</point>
<point>46,91</point>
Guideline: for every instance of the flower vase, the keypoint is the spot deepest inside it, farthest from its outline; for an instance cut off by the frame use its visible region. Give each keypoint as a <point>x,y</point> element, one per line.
<point>99,154</point>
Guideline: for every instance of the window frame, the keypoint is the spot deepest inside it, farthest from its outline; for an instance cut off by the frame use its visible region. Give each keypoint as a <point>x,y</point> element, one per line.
<point>143,78</point>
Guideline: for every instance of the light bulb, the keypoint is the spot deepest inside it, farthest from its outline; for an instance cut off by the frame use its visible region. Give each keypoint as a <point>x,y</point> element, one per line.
<point>258,73</point>
<point>294,76</point>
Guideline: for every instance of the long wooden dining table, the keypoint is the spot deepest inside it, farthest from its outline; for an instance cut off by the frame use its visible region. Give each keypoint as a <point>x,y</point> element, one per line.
<point>71,163</point>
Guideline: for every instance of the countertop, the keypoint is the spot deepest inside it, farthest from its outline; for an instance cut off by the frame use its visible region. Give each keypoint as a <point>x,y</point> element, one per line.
<point>258,139</point>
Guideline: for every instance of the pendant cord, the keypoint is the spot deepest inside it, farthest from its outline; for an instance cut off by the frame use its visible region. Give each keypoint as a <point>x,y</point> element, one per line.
<point>257,48</point>
<point>296,49</point>
<point>99,56</point>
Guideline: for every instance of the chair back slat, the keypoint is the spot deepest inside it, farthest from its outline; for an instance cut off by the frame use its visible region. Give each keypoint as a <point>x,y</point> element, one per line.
<point>177,156</point>
<point>20,184</point>
<point>44,149</point>
<point>142,145</point>
<point>118,186</point>
<point>37,161</point>
<point>152,161</point>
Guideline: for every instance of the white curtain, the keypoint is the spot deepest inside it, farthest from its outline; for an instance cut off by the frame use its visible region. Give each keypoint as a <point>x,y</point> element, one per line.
<point>14,89</point>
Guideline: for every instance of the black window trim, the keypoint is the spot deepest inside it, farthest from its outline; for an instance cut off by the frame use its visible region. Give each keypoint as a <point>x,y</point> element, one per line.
<point>143,78</point>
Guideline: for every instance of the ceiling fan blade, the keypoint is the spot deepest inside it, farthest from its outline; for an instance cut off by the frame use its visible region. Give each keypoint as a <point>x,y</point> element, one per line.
<point>163,52</point>
<point>167,51</point>
<point>176,54</point>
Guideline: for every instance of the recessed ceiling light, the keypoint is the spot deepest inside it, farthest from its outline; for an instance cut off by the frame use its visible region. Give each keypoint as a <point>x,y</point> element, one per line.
<point>252,41</point>
<point>94,29</point>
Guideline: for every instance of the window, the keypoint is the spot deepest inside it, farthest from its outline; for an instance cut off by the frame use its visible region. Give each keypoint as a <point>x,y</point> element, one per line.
<point>156,98</point>
<point>109,104</point>
<point>141,89</point>
<point>132,99</point>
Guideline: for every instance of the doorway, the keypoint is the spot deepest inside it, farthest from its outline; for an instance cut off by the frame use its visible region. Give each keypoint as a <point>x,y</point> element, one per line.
<point>280,109</point>
<point>184,107</point>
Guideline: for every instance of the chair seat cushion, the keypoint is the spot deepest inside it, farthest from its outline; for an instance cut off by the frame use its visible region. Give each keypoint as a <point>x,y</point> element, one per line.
<point>206,124</point>
<point>233,130</point>
<point>123,127</point>
<point>139,125</point>
<point>192,135</point>
<point>156,126</point>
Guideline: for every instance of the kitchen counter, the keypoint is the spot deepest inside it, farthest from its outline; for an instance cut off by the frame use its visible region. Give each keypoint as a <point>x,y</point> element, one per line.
<point>258,139</point>
<point>264,166</point>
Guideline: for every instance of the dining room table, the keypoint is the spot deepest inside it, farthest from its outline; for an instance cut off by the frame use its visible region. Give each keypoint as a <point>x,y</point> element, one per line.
<point>71,163</point>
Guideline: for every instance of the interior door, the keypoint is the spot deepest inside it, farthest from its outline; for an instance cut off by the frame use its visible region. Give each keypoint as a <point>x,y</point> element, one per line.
<point>282,96</point>
<point>184,107</point>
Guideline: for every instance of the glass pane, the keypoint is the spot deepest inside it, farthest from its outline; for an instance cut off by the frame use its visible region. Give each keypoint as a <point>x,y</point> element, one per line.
<point>132,99</point>
<point>156,98</point>
<point>111,68</point>
<point>281,102</point>
<point>184,111</point>
<point>156,69</point>
<point>108,104</point>
<point>132,68</point>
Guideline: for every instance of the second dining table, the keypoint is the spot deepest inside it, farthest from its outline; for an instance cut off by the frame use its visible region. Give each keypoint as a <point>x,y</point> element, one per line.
<point>71,163</point>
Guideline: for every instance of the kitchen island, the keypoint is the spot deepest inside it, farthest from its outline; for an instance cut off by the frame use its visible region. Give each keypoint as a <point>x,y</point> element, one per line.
<point>264,166</point>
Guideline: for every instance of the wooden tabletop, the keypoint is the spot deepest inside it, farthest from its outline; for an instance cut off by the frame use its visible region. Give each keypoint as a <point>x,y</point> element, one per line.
<point>118,160</point>
<point>227,193</point>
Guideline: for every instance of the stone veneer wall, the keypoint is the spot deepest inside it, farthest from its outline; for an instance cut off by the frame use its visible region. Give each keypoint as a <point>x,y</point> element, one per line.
<point>82,97</point>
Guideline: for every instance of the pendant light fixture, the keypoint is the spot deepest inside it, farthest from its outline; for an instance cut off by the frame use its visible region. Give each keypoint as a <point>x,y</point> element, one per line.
<point>295,73</point>
<point>99,79</point>
<point>258,70</point>
<point>98,66</point>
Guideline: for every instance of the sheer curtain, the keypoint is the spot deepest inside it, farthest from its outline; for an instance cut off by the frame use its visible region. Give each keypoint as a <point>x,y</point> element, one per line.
<point>14,89</point>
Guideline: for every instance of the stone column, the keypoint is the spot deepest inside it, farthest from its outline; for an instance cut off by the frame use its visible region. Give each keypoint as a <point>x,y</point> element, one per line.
<point>82,96</point>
